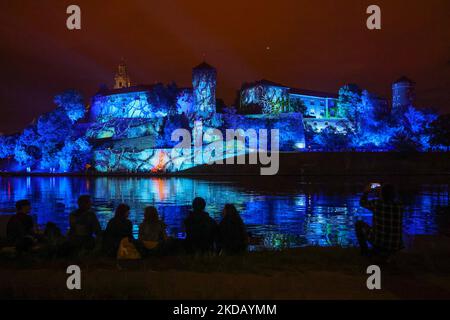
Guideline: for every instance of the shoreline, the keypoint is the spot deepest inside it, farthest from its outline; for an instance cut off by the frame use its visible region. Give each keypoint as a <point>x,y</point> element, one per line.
<point>302,164</point>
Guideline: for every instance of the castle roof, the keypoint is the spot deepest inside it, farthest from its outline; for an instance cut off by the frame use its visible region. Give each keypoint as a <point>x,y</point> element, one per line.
<point>404,80</point>
<point>305,92</point>
<point>204,66</point>
<point>263,82</point>
<point>138,88</point>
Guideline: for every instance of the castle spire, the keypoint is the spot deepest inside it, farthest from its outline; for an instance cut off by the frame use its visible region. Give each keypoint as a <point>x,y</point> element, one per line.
<point>122,79</point>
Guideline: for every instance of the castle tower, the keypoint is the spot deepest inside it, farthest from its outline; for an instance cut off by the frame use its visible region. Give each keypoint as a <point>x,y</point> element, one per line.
<point>204,88</point>
<point>403,93</point>
<point>122,79</point>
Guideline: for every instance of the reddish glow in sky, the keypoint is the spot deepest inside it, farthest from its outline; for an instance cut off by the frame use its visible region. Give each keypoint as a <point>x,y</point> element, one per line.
<point>312,44</point>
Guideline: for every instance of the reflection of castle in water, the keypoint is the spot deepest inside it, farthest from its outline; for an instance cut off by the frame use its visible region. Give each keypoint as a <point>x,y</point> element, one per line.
<point>291,217</point>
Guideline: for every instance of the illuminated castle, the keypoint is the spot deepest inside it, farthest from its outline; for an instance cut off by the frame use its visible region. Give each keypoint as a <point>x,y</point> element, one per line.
<point>131,126</point>
<point>319,109</point>
<point>152,101</point>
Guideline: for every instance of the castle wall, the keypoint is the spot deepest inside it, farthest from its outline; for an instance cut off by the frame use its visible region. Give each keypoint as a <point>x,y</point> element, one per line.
<point>317,107</point>
<point>290,126</point>
<point>123,105</point>
<point>270,99</point>
<point>136,105</point>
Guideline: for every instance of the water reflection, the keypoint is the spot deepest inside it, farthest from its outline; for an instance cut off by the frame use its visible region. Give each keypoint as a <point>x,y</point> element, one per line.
<point>285,212</point>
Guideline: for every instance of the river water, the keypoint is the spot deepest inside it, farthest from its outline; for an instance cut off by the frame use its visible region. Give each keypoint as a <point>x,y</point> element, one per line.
<point>282,212</point>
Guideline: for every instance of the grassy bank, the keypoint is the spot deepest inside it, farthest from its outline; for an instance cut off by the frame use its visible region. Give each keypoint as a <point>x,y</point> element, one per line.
<point>305,273</point>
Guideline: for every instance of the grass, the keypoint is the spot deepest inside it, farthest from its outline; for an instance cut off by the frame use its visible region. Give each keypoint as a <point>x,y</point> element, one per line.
<point>304,273</point>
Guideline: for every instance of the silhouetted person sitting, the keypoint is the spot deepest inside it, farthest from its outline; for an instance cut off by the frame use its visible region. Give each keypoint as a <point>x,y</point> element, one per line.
<point>83,225</point>
<point>20,228</point>
<point>53,240</point>
<point>200,228</point>
<point>52,233</point>
<point>152,228</point>
<point>386,232</point>
<point>233,237</point>
<point>118,227</point>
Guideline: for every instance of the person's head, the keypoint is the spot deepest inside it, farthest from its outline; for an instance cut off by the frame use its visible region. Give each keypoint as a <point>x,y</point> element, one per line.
<point>388,193</point>
<point>23,206</point>
<point>84,202</point>
<point>230,211</point>
<point>122,211</point>
<point>199,204</point>
<point>51,229</point>
<point>151,214</point>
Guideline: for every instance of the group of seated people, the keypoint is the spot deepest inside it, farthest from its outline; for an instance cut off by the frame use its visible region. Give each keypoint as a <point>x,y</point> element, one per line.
<point>203,233</point>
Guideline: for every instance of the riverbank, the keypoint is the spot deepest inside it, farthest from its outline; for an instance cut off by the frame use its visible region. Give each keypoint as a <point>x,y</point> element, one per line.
<point>304,164</point>
<point>304,273</point>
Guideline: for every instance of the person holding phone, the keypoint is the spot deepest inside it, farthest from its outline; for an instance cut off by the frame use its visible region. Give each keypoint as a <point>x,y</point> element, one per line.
<point>386,233</point>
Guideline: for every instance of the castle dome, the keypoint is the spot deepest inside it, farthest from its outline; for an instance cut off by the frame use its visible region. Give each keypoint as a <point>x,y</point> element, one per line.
<point>204,66</point>
<point>404,80</point>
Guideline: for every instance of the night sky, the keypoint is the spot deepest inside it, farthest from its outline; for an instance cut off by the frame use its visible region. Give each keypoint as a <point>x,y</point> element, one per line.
<point>311,44</point>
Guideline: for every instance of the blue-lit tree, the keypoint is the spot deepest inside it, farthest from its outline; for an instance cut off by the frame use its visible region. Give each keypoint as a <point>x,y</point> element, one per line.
<point>297,105</point>
<point>45,144</point>
<point>439,131</point>
<point>411,128</point>
<point>72,103</point>
<point>374,131</point>
<point>75,154</point>
<point>53,128</point>
<point>7,146</point>
<point>330,139</point>
<point>164,98</point>
<point>402,141</point>
<point>27,151</point>
<point>349,104</point>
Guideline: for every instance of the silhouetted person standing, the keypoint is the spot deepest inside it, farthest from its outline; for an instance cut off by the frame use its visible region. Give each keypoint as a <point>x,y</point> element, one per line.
<point>386,232</point>
<point>201,229</point>
<point>83,225</point>
<point>20,228</point>
<point>118,227</point>
<point>233,237</point>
